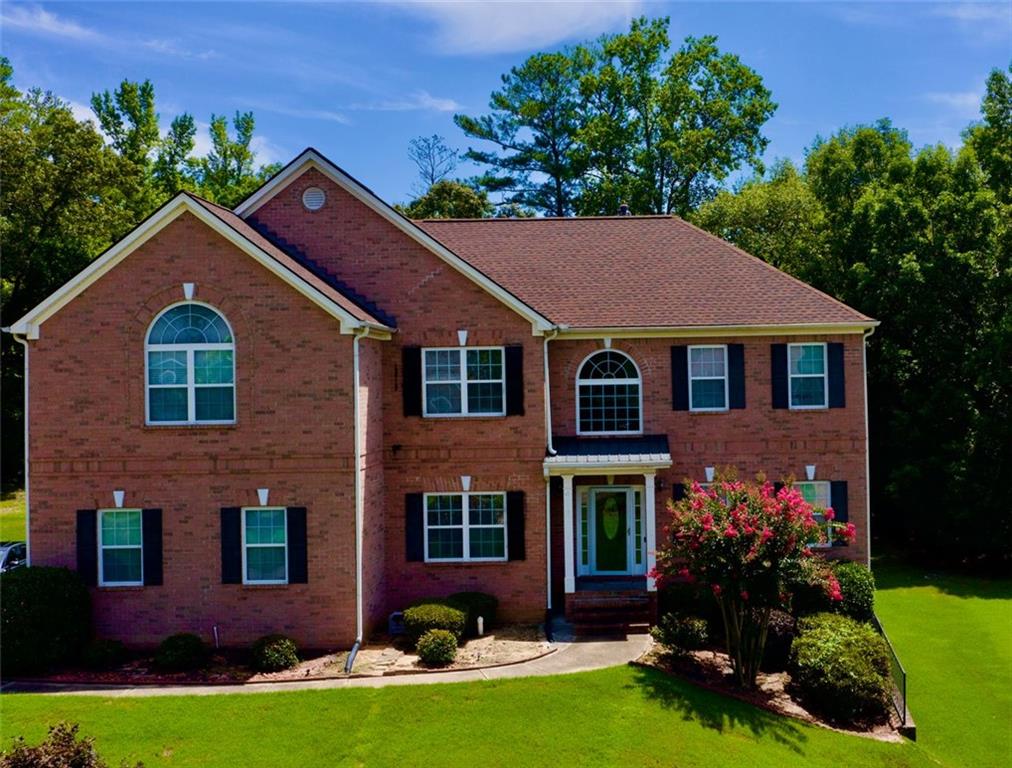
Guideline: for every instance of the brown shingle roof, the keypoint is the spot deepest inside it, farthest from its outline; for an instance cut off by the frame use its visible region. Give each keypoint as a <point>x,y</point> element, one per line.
<point>293,265</point>
<point>634,271</point>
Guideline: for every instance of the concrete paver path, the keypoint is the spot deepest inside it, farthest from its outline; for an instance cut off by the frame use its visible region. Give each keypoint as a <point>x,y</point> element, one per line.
<point>571,655</point>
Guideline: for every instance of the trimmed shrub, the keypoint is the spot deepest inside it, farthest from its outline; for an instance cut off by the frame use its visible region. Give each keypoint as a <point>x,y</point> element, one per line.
<point>857,586</point>
<point>104,654</point>
<point>475,604</point>
<point>60,749</point>
<point>433,614</point>
<point>680,634</point>
<point>272,653</point>
<point>183,652</point>
<point>779,637</point>
<point>45,619</point>
<point>840,669</point>
<point>437,648</point>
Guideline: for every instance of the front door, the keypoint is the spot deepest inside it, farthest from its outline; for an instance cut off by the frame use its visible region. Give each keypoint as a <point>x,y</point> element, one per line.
<point>611,530</point>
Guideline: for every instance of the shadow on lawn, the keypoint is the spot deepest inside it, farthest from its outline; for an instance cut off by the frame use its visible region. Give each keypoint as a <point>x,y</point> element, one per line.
<point>891,572</point>
<point>716,712</point>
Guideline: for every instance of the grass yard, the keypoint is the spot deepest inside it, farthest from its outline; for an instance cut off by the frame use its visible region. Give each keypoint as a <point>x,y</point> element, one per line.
<point>954,636</point>
<point>12,516</point>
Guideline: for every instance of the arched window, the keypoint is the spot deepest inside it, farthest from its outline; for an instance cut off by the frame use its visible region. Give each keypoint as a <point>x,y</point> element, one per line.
<point>190,367</point>
<point>608,395</point>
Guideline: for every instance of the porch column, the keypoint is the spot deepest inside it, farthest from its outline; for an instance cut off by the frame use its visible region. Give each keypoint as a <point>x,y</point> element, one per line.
<point>650,503</point>
<point>569,528</point>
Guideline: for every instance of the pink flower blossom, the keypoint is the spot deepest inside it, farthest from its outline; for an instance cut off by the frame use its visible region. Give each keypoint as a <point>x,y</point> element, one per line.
<point>716,589</point>
<point>730,532</point>
<point>744,595</point>
<point>829,514</point>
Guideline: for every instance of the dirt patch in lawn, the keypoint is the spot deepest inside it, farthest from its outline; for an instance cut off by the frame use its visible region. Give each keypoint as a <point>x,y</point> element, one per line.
<point>711,669</point>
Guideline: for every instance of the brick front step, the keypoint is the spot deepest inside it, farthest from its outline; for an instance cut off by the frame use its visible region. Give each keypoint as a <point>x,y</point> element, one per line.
<point>610,612</point>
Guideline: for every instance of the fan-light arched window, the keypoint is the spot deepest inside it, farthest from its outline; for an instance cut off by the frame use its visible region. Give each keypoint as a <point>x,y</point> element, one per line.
<point>608,395</point>
<point>190,354</point>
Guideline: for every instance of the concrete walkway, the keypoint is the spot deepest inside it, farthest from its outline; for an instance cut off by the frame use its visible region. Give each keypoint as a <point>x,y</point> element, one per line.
<point>571,655</point>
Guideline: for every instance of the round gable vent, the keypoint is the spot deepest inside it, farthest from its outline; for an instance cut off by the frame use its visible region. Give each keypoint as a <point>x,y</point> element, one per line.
<point>314,198</point>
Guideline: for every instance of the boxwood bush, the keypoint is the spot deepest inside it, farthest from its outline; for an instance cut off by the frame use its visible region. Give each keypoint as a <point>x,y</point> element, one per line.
<point>840,669</point>
<point>45,619</point>
<point>680,634</point>
<point>857,585</point>
<point>475,604</point>
<point>104,654</point>
<point>272,653</point>
<point>182,652</point>
<point>437,648</point>
<point>433,614</point>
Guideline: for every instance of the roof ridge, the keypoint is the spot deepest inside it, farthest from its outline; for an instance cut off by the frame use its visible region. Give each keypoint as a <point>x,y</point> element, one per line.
<point>645,216</point>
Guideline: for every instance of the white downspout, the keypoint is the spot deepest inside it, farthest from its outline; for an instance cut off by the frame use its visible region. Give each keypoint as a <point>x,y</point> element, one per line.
<point>867,443</point>
<point>548,485</point>
<point>360,333</point>
<point>28,536</point>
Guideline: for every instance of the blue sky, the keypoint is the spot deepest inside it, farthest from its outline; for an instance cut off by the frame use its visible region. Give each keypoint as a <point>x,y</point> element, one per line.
<point>358,80</point>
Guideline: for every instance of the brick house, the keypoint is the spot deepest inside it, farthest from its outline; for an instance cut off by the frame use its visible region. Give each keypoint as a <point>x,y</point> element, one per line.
<point>305,413</point>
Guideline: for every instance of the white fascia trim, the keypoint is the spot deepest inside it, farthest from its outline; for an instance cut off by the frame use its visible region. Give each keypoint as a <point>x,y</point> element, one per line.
<point>311,159</point>
<point>555,467</point>
<point>29,324</point>
<point>699,331</point>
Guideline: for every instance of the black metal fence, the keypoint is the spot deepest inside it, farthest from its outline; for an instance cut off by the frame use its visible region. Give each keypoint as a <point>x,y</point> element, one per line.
<point>899,676</point>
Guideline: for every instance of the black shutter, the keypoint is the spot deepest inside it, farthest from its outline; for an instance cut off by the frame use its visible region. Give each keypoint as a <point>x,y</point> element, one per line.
<point>837,396</point>
<point>736,375</point>
<point>411,380</point>
<point>778,374</point>
<point>414,527</point>
<point>231,545</point>
<point>680,378</point>
<point>838,501</point>
<point>516,539</point>
<point>514,380</point>
<point>298,565</point>
<point>87,546</point>
<point>151,552</point>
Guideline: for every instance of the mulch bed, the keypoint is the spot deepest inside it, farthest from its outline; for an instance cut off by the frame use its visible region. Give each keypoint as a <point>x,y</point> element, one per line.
<point>711,669</point>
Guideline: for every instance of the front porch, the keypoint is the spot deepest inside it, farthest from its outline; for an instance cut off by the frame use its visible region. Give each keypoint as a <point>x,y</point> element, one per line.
<point>608,529</point>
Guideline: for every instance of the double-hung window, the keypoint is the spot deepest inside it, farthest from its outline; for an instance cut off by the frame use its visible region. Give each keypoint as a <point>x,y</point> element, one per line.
<point>120,548</point>
<point>808,381</point>
<point>708,378</point>
<point>465,527</point>
<point>818,493</point>
<point>190,356</point>
<point>464,381</point>
<point>264,545</point>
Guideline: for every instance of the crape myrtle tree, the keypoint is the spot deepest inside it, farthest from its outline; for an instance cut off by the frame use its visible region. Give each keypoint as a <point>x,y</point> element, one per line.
<point>746,542</point>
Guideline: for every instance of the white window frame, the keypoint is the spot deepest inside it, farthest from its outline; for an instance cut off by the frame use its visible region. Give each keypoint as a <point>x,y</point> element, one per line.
<point>245,573</point>
<point>465,527</point>
<point>822,521</point>
<point>692,378</point>
<point>463,381</point>
<point>102,547</point>
<point>580,382</point>
<point>191,384</point>
<point>792,376</point>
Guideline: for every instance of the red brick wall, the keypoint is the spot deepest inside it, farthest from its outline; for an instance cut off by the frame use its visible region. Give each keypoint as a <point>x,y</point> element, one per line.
<point>758,438</point>
<point>432,301</point>
<point>293,436</point>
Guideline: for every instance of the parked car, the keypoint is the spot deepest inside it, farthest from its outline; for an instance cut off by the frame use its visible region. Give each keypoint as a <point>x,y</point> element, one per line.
<point>13,554</point>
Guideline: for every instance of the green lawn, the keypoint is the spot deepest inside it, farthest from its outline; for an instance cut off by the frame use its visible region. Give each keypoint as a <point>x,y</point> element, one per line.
<point>953,634</point>
<point>12,517</point>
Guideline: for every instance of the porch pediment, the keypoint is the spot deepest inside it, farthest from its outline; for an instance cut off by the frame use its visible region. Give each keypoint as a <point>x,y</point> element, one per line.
<point>592,455</point>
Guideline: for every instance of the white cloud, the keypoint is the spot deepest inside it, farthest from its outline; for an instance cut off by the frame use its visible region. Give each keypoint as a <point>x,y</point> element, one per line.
<point>417,101</point>
<point>267,151</point>
<point>503,27</point>
<point>81,112</point>
<point>975,12</point>
<point>41,21</point>
<point>964,104</point>
<point>327,115</point>
<point>171,48</point>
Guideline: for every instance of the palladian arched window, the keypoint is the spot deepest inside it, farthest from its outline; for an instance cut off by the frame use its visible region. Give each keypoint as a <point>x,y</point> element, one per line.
<point>190,355</point>
<point>608,395</point>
